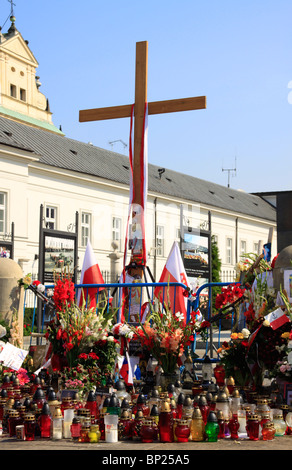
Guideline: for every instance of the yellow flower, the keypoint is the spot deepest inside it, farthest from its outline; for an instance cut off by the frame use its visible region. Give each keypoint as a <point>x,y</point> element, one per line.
<point>235,335</point>
<point>285,335</point>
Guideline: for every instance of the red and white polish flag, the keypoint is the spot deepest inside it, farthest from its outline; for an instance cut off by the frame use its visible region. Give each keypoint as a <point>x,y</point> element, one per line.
<point>277,318</point>
<point>173,271</point>
<point>90,274</point>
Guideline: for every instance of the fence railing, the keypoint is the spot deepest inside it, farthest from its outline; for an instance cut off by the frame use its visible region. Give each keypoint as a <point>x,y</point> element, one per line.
<point>112,295</point>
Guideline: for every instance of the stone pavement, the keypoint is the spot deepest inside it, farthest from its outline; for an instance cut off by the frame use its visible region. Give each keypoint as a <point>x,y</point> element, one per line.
<point>280,443</point>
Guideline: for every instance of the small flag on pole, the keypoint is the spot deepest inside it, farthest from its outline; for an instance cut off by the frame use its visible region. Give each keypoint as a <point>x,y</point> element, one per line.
<point>174,271</point>
<point>90,274</point>
<point>277,318</point>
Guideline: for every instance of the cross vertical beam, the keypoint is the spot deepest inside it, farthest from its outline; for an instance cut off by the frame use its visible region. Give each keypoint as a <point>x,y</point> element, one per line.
<point>139,112</point>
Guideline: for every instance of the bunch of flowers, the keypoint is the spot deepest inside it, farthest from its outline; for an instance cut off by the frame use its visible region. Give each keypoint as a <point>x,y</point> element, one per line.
<point>229,295</point>
<point>283,368</point>
<point>166,336</point>
<point>74,330</point>
<point>64,293</point>
<point>21,374</point>
<point>93,366</point>
<point>233,357</point>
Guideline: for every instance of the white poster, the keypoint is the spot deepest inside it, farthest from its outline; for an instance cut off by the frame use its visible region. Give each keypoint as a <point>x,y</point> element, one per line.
<point>12,357</point>
<point>288,283</point>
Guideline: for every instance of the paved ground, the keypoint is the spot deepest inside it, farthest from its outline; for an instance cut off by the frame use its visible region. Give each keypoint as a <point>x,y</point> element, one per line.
<point>282,443</point>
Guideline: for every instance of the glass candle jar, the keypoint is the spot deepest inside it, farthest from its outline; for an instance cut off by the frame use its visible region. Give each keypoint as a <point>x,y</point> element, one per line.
<point>14,420</point>
<point>137,425</point>
<point>197,427</point>
<point>279,424</point>
<point>221,424</point>
<point>84,433</point>
<point>75,428</point>
<point>148,431</point>
<point>111,427</point>
<point>204,407</point>
<point>45,421</point>
<point>212,427</point>
<point>182,430</point>
<point>125,426</point>
<point>57,424</point>
<point>219,374</point>
<point>234,426</point>
<point>222,404</point>
<point>29,426</point>
<point>154,414</point>
<point>94,433</point>
<point>2,405</point>
<point>179,405</point>
<point>91,404</point>
<point>101,426</point>
<point>235,401</point>
<point>253,427</point>
<point>268,431</point>
<point>141,404</point>
<point>67,421</point>
<point>39,397</point>
<point>165,423</point>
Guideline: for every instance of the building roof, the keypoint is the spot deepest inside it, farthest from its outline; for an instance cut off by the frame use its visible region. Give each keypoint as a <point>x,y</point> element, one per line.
<point>62,152</point>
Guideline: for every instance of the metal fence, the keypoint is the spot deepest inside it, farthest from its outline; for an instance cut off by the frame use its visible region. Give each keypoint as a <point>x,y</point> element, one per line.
<point>112,294</point>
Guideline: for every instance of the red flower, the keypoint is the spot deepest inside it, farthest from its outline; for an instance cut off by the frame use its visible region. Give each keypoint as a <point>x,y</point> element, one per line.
<point>69,346</point>
<point>59,334</point>
<point>82,356</point>
<point>93,355</point>
<point>36,283</point>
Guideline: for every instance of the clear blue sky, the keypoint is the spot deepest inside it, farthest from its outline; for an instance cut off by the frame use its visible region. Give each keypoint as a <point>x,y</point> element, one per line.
<point>237,53</point>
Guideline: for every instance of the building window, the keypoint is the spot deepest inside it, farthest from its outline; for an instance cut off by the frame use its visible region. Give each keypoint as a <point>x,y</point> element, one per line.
<point>85,228</point>
<point>160,240</point>
<point>13,91</point>
<point>242,247</point>
<point>229,249</point>
<point>2,212</point>
<point>51,217</point>
<point>22,94</point>
<point>116,231</point>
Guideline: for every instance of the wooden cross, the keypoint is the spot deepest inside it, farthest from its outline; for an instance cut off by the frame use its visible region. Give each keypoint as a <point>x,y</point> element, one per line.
<point>156,107</point>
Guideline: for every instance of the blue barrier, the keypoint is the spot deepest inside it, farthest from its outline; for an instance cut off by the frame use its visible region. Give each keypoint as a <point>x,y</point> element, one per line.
<point>116,288</point>
<point>130,286</point>
<point>210,344</point>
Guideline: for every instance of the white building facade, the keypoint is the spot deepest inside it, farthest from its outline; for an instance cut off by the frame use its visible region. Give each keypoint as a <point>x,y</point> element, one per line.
<point>40,166</point>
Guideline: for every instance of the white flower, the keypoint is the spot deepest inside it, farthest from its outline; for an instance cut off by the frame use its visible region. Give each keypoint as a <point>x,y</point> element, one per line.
<point>245,332</point>
<point>41,288</point>
<point>180,316</point>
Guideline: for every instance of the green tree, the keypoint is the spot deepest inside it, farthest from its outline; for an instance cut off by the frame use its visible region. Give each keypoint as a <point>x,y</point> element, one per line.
<point>216,267</point>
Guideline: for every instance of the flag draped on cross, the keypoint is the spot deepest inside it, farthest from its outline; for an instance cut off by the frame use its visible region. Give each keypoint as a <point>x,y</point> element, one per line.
<point>90,274</point>
<point>173,271</point>
<point>136,211</point>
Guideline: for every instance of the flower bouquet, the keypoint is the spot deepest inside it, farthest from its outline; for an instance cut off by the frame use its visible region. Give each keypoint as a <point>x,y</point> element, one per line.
<point>81,342</point>
<point>233,358</point>
<point>166,336</point>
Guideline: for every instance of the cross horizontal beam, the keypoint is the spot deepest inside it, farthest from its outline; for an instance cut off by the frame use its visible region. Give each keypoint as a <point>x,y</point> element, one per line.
<point>154,107</point>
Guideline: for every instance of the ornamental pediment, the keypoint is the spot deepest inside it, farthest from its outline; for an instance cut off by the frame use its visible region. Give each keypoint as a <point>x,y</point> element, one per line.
<point>16,47</point>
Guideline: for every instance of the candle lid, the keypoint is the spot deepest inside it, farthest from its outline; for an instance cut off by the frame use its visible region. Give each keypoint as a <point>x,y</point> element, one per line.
<point>197,413</point>
<point>29,417</point>
<point>57,413</point>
